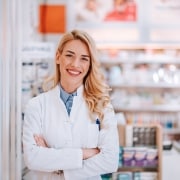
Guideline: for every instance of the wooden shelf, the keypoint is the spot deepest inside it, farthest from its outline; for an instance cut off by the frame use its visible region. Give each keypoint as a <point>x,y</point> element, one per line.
<point>158,143</point>
<point>138,169</point>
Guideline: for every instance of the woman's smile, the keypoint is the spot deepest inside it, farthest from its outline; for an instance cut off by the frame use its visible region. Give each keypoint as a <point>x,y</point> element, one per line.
<point>73,72</point>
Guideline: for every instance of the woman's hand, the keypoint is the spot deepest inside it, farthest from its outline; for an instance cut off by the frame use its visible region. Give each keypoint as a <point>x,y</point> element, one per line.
<point>40,141</point>
<point>89,152</point>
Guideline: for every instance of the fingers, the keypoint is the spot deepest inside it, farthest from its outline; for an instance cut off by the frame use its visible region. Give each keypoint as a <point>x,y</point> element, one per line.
<point>90,152</point>
<point>40,141</point>
<point>97,150</point>
<point>36,138</point>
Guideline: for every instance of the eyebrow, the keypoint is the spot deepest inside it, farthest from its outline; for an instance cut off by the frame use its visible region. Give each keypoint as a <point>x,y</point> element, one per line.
<point>86,56</point>
<point>69,51</point>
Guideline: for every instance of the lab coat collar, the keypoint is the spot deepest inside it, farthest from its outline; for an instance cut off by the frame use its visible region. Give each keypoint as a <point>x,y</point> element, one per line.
<point>79,90</point>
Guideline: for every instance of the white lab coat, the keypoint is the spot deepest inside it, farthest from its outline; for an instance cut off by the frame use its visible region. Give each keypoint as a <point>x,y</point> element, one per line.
<point>46,115</point>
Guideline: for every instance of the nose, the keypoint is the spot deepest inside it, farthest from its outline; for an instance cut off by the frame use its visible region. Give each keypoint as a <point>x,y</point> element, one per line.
<point>75,62</point>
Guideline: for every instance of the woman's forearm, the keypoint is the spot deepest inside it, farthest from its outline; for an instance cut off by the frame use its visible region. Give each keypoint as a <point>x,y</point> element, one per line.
<point>87,152</point>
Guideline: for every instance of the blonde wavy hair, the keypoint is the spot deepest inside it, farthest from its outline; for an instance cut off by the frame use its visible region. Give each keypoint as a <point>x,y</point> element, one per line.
<point>96,91</point>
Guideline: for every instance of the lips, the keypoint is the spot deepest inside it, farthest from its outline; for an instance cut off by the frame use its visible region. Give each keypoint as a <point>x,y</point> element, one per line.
<point>73,72</point>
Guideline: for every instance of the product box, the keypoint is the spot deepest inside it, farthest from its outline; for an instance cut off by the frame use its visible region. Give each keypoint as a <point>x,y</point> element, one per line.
<point>123,175</point>
<point>128,156</point>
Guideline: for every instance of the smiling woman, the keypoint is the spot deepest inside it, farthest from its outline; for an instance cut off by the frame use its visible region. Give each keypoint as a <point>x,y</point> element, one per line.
<point>61,136</point>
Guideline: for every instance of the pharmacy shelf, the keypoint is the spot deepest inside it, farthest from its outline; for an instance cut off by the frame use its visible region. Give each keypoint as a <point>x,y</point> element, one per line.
<point>142,108</point>
<point>136,46</point>
<point>146,85</point>
<point>171,131</point>
<point>117,62</point>
<point>138,85</point>
<point>154,96</point>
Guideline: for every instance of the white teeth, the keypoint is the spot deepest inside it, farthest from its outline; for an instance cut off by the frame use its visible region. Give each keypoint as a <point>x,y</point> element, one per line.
<point>73,72</point>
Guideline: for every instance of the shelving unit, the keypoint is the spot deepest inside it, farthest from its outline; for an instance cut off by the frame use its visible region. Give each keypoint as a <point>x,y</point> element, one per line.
<point>145,82</point>
<point>36,67</point>
<point>125,132</point>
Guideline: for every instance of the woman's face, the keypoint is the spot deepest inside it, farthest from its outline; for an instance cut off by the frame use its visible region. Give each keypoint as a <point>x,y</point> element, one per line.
<point>74,63</point>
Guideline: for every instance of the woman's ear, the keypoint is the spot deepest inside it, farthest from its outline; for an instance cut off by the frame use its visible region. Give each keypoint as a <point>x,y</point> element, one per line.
<point>57,57</point>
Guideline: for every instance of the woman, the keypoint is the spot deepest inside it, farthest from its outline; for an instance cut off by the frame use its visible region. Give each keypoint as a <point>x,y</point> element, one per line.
<point>78,142</point>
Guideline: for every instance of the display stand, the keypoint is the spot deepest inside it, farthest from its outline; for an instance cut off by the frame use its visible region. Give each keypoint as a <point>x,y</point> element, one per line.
<point>128,141</point>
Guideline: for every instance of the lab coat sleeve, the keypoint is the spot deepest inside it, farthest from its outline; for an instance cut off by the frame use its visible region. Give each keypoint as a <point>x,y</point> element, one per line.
<point>41,158</point>
<point>107,160</point>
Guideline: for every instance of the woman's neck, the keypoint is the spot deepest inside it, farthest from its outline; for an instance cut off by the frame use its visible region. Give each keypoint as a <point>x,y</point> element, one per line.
<point>69,88</point>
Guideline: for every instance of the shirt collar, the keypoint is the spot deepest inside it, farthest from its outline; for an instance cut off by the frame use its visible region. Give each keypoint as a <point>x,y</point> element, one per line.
<point>64,95</point>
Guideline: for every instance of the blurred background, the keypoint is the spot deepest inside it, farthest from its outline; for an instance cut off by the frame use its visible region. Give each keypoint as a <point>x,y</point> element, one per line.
<point>139,49</point>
